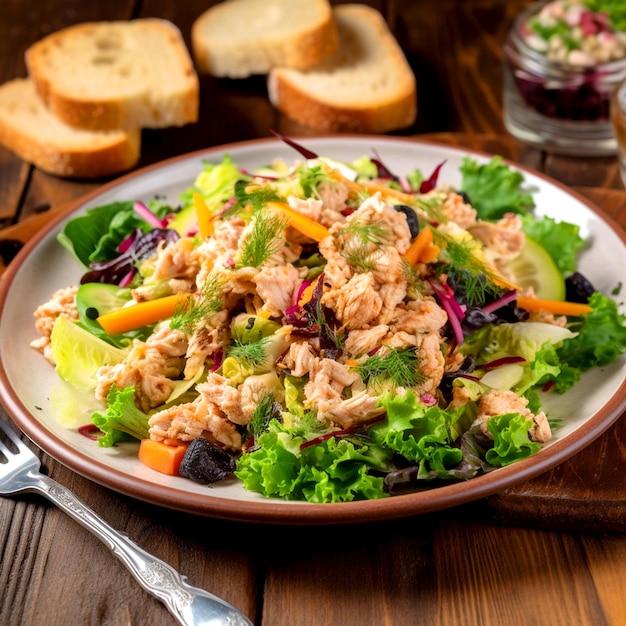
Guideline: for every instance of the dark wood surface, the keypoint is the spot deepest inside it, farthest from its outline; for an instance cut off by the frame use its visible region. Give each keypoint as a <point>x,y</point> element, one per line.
<point>545,552</point>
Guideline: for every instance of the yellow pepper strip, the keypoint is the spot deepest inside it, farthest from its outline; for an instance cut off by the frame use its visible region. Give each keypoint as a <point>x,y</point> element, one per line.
<point>556,307</point>
<point>205,219</point>
<point>420,243</point>
<point>141,314</point>
<point>301,223</point>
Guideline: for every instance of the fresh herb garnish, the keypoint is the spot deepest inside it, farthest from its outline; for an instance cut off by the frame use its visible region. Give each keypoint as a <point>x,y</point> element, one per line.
<point>199,310</point>
<point>397,366</point>
<point>253,354</point>
<point>265,238</point>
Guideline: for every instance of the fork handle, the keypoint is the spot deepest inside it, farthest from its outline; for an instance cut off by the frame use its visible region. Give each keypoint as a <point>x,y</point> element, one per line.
<point>188,604</point>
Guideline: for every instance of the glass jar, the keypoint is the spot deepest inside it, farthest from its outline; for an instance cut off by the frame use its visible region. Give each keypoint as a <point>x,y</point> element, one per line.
<point>618,114</point>
<point>554,104</point>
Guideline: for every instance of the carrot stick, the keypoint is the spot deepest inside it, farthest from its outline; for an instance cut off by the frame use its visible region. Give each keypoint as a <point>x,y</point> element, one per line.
<point>557,307</point>
<point>429,254</point>
<point>161,457</point>
<point>420,243</point>
<point>205,221</point>
<point>300,222</point>
<point>135,316</point>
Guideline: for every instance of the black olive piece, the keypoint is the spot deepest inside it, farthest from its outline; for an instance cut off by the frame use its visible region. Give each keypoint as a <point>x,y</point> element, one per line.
<point>206,463</point>
<point>9,249</point>
<point>465,197</point>
<point>578,288</point>
<point>411,218</point>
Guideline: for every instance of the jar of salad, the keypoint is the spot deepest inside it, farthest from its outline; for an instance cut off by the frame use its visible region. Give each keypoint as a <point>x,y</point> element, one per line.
<point>618,114</point>
<point>563,60</point>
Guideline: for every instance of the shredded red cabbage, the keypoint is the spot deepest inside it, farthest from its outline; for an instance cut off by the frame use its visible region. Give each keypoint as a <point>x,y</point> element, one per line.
<point>305,152</point>
<point>143,246</point>
<point>431,182</point>
<point>505,360</point>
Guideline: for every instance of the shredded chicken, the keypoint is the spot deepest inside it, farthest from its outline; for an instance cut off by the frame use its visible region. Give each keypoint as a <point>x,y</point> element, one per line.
<point>504,239</point>
<point>151,367</point>
<point>61,304</point>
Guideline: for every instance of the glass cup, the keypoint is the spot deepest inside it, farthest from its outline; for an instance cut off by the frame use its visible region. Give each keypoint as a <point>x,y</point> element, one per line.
<point>558,105</point>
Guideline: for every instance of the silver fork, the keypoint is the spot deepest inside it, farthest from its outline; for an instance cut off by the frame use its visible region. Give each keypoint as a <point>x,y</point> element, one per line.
<point>20,473</point>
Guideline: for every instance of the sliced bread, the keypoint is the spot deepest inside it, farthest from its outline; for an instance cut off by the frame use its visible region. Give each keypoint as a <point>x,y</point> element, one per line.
<point>240,38</point>
<point>29,130</point>
<point>367,86</point>
<point>109,75</point>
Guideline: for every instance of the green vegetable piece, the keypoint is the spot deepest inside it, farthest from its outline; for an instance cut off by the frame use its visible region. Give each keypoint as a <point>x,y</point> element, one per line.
<point>418,432</point>
<point>246,328</point>
<point>78,354</point>
<point>494,188</point>
<point>601,336</point>
<point>511,441</point>
<point>122,420</point>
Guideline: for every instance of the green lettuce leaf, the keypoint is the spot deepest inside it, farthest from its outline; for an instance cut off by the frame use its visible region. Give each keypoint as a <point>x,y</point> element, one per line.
<point>215,183</point>
<point>494,188</point>
<point>511,441</point>
<point>332,470</point>
<point>122,420</point>
<point>601,336</point>
<point>418,432</point>
<point>96,235</point>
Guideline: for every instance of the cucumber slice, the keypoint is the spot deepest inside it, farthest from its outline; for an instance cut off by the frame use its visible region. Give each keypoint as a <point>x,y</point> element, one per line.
<point>94,299</point>
<point>535,268</point>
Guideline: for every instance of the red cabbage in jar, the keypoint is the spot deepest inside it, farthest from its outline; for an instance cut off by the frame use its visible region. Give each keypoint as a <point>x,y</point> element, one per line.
<point>557,88</point>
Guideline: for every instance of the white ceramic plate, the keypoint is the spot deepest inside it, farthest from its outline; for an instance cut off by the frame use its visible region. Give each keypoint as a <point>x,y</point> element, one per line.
<point>28,384</point>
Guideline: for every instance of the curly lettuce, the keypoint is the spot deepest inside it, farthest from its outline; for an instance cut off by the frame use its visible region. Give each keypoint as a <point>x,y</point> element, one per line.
<point>122,420</point>
<point>334,469</point>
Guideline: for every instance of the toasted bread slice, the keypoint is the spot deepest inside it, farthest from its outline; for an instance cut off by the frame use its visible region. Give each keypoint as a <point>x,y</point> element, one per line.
<point>110,75</point>
<point>240,38</point>
<point>29,130</point>
<point>367,86</point>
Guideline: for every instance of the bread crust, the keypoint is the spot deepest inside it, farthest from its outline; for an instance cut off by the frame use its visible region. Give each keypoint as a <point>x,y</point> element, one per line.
<point>299,96</point>
<point>137,107</point>
<point>381,118</point>
<point>88,155</point>
<point>305,45</point>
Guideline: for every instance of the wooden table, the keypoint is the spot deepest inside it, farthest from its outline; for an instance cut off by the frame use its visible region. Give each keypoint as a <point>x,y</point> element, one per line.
<point>550,551</point>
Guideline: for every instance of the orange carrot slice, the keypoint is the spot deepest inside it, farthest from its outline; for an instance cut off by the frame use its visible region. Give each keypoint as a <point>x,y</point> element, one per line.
<point>137,315</point>
<point>420,243</point>
<point>161,457</point>
<point>556,307</point>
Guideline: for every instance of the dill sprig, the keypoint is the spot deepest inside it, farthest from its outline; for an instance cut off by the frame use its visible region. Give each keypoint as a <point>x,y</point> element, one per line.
<point>358,240</point>
<point>252,354</point>
<point>263,240</point>
<point>196,312</point>
<point>468,269</point>
<point>263,414</point>
<point>256,196</point>
<point>400,367</point>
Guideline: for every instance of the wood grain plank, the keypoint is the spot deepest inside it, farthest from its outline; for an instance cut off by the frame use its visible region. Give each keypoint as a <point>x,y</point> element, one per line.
<point>489,575</point>
<point>606,554</point>
<point>367,575</point>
